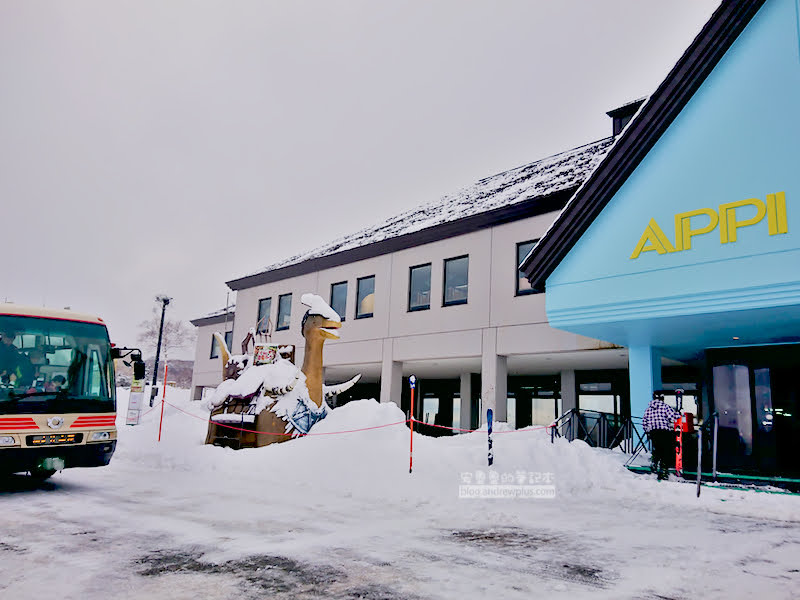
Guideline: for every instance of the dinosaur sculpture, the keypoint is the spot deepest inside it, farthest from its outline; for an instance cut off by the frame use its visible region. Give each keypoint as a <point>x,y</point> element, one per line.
<point>260,404</point>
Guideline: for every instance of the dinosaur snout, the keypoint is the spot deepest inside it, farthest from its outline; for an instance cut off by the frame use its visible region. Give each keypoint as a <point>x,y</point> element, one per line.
<point>327,329</point>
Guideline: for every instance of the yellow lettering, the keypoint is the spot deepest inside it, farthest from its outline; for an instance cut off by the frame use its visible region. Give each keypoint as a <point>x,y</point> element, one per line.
<point>653,238</point>
<point>774,209</point>
<point>727,218</point>
<point>684,231</point>
<point>776,213</point>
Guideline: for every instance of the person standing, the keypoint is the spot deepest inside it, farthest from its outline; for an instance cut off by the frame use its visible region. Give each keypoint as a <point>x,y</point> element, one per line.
<point>659,425</point>
<point>15,367</point>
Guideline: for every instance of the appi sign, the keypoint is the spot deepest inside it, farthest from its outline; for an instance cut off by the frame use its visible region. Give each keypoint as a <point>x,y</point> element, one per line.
<point>706,220</point>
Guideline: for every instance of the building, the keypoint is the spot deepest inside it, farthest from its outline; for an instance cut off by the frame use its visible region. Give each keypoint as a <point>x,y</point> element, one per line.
<point>207,370</point>
<point>436,292</point>
<point>684,243</point>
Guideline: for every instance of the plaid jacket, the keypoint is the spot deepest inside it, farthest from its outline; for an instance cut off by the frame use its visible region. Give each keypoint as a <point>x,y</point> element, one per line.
<point>659,415</point>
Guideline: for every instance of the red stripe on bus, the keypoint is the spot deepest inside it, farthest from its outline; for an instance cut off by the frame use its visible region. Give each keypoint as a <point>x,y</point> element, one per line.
<point>17,422</point>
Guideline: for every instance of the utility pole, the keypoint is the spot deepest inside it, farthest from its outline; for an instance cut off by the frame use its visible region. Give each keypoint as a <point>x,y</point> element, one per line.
<point>154,390</point>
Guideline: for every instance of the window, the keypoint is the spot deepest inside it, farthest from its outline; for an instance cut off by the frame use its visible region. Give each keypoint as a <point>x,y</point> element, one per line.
<point>215,346</point>
<point>523,286</point>
<point>339,298</point>
<point>419,287</point>
<point>264,308</point>
<point>456,280</point>
<point>229,339</point>
<point>284,311</point>
<point>365,297</point>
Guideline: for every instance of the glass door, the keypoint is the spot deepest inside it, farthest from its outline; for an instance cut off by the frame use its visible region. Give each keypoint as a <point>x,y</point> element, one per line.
<point>756,393</point>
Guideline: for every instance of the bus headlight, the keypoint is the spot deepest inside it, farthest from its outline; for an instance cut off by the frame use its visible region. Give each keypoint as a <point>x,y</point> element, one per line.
<point>7,440</point>
<point>99,436</point>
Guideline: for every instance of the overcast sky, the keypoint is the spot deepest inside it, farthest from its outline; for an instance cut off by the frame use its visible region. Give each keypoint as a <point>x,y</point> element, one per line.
<point>168,146</point>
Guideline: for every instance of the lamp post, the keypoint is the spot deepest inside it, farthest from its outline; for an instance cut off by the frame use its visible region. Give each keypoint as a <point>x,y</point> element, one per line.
<point>154,390</point>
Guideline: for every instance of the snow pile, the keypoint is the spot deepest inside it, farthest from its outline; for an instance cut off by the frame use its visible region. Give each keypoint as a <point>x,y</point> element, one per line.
<point>278,376</point>
<point>372,464</point>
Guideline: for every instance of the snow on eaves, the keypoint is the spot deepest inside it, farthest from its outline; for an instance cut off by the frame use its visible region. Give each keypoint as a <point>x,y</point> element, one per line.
<point>541,178</point>
<point>230,309</point>
<point>216,316</point>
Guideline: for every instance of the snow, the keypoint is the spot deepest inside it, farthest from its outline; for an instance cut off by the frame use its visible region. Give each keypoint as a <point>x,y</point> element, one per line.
<point>339,516</point>
<point>318,306</point>
<point>540,178</point>
<point>233,418</point>
<point>279,375</point>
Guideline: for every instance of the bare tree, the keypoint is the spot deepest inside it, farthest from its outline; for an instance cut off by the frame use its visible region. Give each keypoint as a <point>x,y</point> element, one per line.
<point>177,335</point>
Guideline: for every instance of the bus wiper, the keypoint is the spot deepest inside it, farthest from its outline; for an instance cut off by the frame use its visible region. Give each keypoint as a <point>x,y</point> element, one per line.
<point>16,396</point>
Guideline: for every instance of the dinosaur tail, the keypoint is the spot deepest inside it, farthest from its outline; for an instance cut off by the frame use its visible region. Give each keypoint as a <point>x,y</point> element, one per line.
<point>224,353</point>
<point>331,390</point>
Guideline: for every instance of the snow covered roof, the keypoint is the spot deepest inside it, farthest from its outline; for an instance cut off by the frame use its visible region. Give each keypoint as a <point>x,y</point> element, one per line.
<point>510,195</point>
<point>218,316</point>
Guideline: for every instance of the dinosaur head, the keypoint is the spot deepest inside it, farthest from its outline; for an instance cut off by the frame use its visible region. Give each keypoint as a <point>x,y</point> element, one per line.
<point>317,326</point>
<point>320,321</point>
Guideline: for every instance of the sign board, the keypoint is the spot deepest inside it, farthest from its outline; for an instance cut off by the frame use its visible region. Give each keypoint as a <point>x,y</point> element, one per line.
<point>135,402</point>
<point>265,354</point>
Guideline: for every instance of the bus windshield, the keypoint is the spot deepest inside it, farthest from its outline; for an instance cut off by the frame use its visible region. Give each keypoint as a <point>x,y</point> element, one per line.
<point>53,365</point>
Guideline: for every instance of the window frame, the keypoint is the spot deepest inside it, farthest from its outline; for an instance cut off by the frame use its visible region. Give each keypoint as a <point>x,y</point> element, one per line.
<point>444,282</point>
<point>358,302</point>
<point>278,317</point>
<point>228,337</point>
<point>529,291</point>
<point>342,314</point>
<point>430,289</point>
<point>258,315</point>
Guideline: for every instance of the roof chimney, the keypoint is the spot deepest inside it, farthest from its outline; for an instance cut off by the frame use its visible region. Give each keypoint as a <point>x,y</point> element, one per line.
<point>620,116</point>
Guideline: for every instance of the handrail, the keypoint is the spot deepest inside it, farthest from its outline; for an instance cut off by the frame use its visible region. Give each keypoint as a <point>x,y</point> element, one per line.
<point>608,430</point>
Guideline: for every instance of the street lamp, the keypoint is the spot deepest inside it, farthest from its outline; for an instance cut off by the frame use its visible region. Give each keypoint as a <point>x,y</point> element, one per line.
<point>153,389</point>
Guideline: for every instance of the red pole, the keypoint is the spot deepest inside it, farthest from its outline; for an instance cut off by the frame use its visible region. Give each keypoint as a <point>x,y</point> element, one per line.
<point>163,396</point>
<point>679,445</point>
<point>412,382</point>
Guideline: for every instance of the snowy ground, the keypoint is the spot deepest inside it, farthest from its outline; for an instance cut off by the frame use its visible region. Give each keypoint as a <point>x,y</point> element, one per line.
<point>338,516</point>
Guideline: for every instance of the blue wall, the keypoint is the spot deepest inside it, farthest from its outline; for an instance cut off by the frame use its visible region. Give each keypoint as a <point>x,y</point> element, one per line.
<point>738,138</point>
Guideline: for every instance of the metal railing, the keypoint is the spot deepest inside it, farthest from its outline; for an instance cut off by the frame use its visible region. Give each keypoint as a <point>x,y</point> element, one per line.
<point>601,430</point>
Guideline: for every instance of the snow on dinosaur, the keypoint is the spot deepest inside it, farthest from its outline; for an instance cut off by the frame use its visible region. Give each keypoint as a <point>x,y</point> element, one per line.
<point>259,404</point>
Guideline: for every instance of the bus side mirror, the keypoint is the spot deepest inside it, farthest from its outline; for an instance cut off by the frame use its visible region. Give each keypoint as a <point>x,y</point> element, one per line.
<point>138,369</point>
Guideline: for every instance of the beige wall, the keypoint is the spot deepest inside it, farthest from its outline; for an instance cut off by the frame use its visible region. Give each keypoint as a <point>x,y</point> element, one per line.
<point>492,301</point>
<point>493,323</point>
<point>207,372</point>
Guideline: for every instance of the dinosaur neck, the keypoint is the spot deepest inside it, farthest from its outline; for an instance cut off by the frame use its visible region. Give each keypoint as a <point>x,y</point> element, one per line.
<point>312,369</point>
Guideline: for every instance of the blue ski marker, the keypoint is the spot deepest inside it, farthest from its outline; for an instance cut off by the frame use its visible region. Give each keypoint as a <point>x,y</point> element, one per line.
<point>489,414</point>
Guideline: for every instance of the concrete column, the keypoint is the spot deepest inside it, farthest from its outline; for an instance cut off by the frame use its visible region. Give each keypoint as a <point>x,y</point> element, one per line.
<point>494,377</point>
<point>466,401</point>
<point>391,376</point>
<point>569,395</point>
<point>644,371</point>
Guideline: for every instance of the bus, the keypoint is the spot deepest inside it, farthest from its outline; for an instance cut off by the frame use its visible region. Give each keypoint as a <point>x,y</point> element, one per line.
<point>57,390</point>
